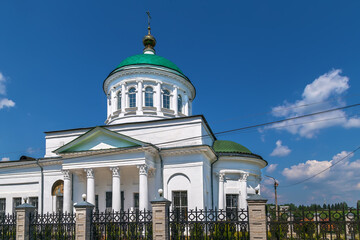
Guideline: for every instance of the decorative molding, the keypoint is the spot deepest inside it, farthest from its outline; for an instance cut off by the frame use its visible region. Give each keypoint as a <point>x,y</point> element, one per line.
<point>221,177</point>
<point>243,177</point>
<point>89,172</point>
<point>67,175</point>
<point>115,171</point>
<point>143,169</point>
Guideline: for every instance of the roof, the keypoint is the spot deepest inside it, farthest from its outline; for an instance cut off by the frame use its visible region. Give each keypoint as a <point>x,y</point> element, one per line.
<point>150,59</point>
<point>223,146</point>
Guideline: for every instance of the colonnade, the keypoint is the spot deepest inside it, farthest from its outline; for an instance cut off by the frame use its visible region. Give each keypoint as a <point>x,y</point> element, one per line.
<point>116,188</point>
<point>113,106</point>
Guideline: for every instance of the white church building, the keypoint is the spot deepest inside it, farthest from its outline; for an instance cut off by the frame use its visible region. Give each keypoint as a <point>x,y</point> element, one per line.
<point>150,141</point>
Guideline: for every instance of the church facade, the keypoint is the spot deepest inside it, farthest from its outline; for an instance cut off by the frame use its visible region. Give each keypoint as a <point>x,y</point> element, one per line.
<point>150,141</point>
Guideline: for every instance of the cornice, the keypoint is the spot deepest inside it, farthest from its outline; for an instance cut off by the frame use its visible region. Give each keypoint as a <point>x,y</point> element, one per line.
<point>262,163</point>
<point>202,149</point>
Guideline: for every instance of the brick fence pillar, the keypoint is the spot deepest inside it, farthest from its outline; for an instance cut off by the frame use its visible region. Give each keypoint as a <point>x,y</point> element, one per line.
<point>83,220</point>
<point>160,217</point>
<point>23,221</point>
<point>257,217</point>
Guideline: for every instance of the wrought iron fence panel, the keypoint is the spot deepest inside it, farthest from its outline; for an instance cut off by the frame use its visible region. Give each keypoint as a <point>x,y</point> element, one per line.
<point>209,224</point>
<point>52,226</point>
<point>121,225</point>
<point>313,224</point>
<point>7,226</point>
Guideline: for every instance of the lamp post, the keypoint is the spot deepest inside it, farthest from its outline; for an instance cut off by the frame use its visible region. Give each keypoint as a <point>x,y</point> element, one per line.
<point>276,184</point>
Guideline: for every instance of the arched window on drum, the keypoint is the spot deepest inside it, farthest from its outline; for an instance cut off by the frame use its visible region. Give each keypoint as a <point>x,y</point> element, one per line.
<point>179,103</point>
<point>132,97</point>
<point>119,100</point>
<point>166,99</point>
<point>149,97</point>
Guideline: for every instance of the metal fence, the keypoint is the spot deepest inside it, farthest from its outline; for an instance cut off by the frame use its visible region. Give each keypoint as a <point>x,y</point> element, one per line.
<point>209,224</point>
<point>7,226</point>
<point>314,224</point>
<point>121,225</point>
<point>54,226</point>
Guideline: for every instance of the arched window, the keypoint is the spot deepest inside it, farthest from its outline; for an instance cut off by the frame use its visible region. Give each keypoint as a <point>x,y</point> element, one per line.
<point>119,100</point>
<point>179,102</point>
<point>57,191</point>
<point>149,93</point>
<point>132,97</point>
<point>166,99</point>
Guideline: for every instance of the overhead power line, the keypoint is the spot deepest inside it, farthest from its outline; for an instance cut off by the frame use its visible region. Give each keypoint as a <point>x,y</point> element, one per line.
<point>243,128</point>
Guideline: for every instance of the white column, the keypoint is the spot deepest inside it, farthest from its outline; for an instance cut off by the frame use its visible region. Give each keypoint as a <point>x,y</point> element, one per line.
<point>175,100</point>
<point>243,190</point>
<point>143,187</point>
<point>158,99</point>
<point>108,103</point>
<point>113,100</point>
<point>67,207</point>
<point>90,186</point>
<point>123,98</point>
<point>186,110</point>
<point>221,191</point>
<point>116,193</point>
<point>139,98</point>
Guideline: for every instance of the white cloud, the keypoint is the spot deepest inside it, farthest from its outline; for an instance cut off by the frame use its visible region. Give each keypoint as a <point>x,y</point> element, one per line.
<point>323,93</point>
<point>307,169</point>
<point>280,150</point>
<point>4,102</point>
<point>271,168</point>
<point>341,180</point>
<point>5,159</point>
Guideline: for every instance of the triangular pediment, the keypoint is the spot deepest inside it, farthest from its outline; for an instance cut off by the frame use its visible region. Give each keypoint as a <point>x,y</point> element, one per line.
<point>99,138</point>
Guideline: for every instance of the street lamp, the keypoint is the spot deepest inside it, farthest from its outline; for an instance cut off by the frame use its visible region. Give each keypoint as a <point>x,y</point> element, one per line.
<point>276,184</point>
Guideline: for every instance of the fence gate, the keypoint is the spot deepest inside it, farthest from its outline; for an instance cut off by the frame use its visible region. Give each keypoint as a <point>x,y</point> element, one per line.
<point>209,224</point>
<point>317,224</point>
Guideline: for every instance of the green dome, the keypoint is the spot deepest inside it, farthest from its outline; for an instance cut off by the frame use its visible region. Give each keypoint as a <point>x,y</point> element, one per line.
<point>150,59</point>
<point>222,146</point>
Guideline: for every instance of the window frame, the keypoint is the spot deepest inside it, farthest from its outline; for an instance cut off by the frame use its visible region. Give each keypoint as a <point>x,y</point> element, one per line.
<point>14,204</point>
<point>119,96</point>
<point>166,99</point>
<point>149,97</point>
<point>132,97</point>
<point>183,207</point>
<point>3,204</point>
<point>35,202</point>
<point>179,103</point>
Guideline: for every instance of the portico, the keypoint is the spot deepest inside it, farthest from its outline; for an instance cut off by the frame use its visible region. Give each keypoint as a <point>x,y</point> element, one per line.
<point>98,187</point>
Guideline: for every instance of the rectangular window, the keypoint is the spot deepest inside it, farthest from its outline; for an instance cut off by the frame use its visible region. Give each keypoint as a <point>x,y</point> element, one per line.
<point>232,201</point>
<point>122,200</point>
<point>59,203</point>
<point>136,201</point>
<point>35,202</point>
<point>16,202</point>
<point>96,202</point>
<point>231,206</point>
<point>180,201</point>
<point>2,205</point>
<point>108,200</point>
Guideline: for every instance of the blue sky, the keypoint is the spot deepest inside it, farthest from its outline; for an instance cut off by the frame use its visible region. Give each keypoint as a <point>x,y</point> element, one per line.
<point>250,61</point>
